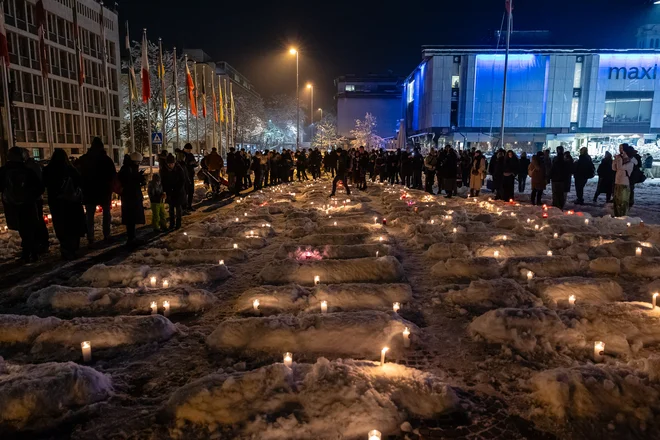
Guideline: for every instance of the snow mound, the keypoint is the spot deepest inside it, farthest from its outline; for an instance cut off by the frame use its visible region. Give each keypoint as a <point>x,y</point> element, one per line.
<point>558,290</point>
<point>107,300</point>
<point>336,239</point>
<point>37,397</point>
<point>106,332</point>
<point>20,329</point>
<point>332,252</point>
<point>444,251</point>
<point>362,270</point>
<point>423,241</point>
<point>101,275</point>
<point>621,249</point>
<point>645,267</point>
<point>358,334</point>
<point>508,249</point>
<point>485,295</point>
<point>555,266</point>
<point>605,266</point>
<point>471,268</point>
<point>326,400</point>
<point>155,256</point>
<point>477,237</point>
<point>342,228</point>
<point>599,393</point>
<point>189,242</point>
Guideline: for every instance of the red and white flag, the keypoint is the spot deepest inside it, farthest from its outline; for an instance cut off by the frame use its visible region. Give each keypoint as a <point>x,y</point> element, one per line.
<point>4,47</point>
<point>190,85</point>
<point>146,82</point>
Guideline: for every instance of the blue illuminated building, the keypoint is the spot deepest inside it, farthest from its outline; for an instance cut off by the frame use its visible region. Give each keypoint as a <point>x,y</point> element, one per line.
<point>570,97</point>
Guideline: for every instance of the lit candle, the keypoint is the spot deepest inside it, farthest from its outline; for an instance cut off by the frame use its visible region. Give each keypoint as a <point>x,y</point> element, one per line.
<point>235,246</point>
<point>374,434</point>
<point>571,300</point>
<point>153,281</point>
<point>406,337</point>
<point>530,275</point>
<point>166,308</point>
<point>555,235</point>
<point>628,224</point>
<point>317,280</point>
<point>586,221</point>
<point>454,230</point>
<point>513,214</point>
<point>655,297</point>
<point>255,304</point>
<point>382,356</point>
<point>324,307</point>
<point>221,262</point>
<point>638,251</point>
<point>504,237</point>
<point>237,219</point>
<point>384,222</point>
<point>432,221</point>
<point>496,254</point>
<point>536,227</point>
<point>376,254</point>
<point>288,359</point>
<point>154,307</point>
<point>396,306</point>
<point>529,220</point>
<point>251,233</point>
<point>245,213</point>
<point>166,284</point>
<point>375,220</point>
<point>599,349</point>
<point>380,238</point>
<point>335,224</point>
<point>86,347</point>
<point>185,233</point>
<point>549,254</point>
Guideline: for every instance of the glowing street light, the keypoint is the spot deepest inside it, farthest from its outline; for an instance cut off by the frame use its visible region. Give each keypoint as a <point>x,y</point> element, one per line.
<point>293,51</point>
<point>310,86</point>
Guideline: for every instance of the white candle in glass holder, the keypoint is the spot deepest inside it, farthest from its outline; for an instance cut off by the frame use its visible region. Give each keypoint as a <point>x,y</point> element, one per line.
<point>317,280</point>
<point>255,304</point>
<point>166,284</point>
<point>549,253</point>
<point>235,245</point>
<point>628,224</point>
<point>374,434</point>
<point>86,347</point>
<point>530,275</point>
<point>382,356</point>
<point>504,238</point>
<point>536,227</point>
<point>166,308</point>
<point>396,306</point>
<point>599,348</point>
<point>324,307</point>
<point>654,299</point>
<point>432,221</point>
<point>381,238</point>
<point>586,221</point>
<point>154,307</point>
<point>376,254</point>
<point>221,262</point>
<point>335,224</point>
<point>638,251</point>
<point>288,359</point>
<point>571,300</point>
<point>555,235</point>
<point>406,337</point>
<point>496,254</point>
<point>153,281</point>
<point>236,219</point>
<point>454,230</point>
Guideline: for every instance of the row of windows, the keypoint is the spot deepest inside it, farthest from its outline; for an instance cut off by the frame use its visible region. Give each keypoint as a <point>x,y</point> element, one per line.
<point>28,88</point>
<point>24,52</point>
<point>30,126</point>
<point>20,14</point>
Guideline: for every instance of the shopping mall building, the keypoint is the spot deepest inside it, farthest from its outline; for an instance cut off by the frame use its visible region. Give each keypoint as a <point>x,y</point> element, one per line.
<point>571,97</point>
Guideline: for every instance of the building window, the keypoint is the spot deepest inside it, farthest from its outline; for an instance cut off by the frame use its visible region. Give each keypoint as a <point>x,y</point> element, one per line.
<point>411,91</point>
<point>575,105</point>
<point>455,82</point>
<point>628,108</point>
<point>349,88</point>
<point>577,76</point>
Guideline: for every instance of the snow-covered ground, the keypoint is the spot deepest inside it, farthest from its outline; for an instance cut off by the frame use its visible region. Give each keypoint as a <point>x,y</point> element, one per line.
<point>495,320</point>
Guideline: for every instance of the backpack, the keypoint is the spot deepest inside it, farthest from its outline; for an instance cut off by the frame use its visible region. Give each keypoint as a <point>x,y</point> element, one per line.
<point>637,176</point>
<point>69,192</point>
<point>16,187</point>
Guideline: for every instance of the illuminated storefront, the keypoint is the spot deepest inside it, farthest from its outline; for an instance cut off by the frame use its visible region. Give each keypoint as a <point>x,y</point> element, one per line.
<point>574,98</point>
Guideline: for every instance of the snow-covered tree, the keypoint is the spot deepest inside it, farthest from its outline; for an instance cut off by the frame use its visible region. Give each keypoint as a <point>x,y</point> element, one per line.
<point>281,121</point>
<point>364,133</point>
<point>249,125</point>
<point>325,134</point>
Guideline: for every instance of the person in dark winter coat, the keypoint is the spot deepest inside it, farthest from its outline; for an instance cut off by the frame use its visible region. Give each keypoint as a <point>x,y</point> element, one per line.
<point>536,171</point>
<point>417,168</point>
<point>21,187</point>
<point>569,172</point>
<point>256,167</point>
<point>98,176</point>
<point>558,174</point>
<point>64,186</point>
<point>605,178</point>
<point>174,180</point>
<point>509,175</point>
<point>496,169</point>
<point>584,170</point>
<point>132,208</point>
<point>449,171</point>
<point>42,236</point>
<point>342,171</point>
<point>332,158</point>
<point>523,165</point>
<point>406,169</point>
<point>191,165</point>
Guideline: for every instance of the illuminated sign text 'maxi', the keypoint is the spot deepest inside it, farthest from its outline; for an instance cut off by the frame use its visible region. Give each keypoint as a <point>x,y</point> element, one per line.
<point>633,72</point>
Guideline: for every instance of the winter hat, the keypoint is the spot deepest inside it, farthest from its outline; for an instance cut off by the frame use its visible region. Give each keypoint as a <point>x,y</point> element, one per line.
<point>187,147</point>
<point>136,157</point>
<point>171,159</point>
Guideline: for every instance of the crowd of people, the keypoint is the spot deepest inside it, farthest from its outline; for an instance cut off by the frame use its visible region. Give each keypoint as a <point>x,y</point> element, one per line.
<point>75,190</point>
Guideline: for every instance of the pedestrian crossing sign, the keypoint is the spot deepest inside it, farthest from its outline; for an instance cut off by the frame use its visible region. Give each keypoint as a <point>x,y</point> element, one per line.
<point>157,138</point>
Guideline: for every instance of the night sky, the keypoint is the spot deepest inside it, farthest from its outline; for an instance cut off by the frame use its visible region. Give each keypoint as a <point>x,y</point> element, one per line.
<point>338,37</point>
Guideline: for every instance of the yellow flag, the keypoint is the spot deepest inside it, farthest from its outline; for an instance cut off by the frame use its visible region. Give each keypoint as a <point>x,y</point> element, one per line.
<point>222,105</point>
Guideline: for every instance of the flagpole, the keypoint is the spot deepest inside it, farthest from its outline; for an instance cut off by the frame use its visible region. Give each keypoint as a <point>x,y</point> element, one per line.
<point>163,91</point>
<point>5,89</point>
<point>196,103</point>
<point>215,109</point>
<point>509,8</point>
<point>176,100</point>
<point>106,82</point>
<point>231,96</point>
<point>185,61</point>
<point>226,117</point>
<point>149,128</point>
<point>206,125</point>
<point>131,87</point>
<point>221,115</point>
<point>81,79</point>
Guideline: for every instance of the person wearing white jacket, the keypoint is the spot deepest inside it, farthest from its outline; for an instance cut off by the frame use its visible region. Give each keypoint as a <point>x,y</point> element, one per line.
<point>623,164</point>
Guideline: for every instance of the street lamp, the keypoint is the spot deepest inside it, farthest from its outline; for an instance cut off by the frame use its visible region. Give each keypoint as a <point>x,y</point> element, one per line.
<point>321,110</point>
<point>293,51</point>
<point>310,86</point>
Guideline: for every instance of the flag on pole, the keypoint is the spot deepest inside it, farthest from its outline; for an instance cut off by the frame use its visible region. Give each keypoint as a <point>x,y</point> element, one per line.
<point>43,49</point>
<point>76,34</point>
<point>161,73</point>
<point>222,111</point>
<point>190,85</point>
<point>146,81</point>
<point>4,47</point>
<point>215,102</point>
<point>508,5</point>
<point>231,100</point>
<point>204,90</point>
<point>132,80</point>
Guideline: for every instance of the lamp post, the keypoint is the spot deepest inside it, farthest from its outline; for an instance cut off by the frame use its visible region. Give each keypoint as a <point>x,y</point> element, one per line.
<point>310,86</point>
<point>321,110</point>
<point>293,51</point>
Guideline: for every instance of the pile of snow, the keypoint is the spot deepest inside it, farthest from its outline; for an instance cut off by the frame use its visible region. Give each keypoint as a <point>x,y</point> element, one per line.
<point>106,332</point>
<point>38,397</point>
<point>101,275</point>
<point>485,295</point>
<point>645,267</point>
<point>333,252</point>
<point>470,268</point>
<point>361,333</point>
<point>181,241</point>
<point>423,241</point>
<point>342,228</point>
<point>558,290</point>
<point>605,266</point>
<point>10,245</point>
<point>120,300</point>
<point>510,248</point>
<point>555,266</point>
<point>444,251</point>
<point>20,329</point>
<point>620,249</point>
<point>326,400</point>
<point>361,270</point>
<point>155,256</point>
<point>334,239</point>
